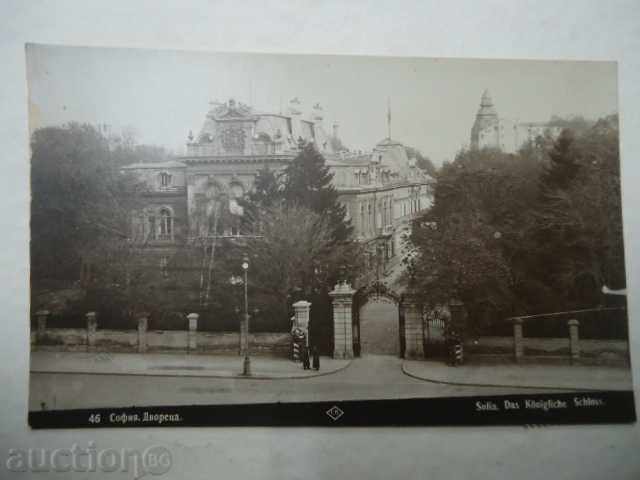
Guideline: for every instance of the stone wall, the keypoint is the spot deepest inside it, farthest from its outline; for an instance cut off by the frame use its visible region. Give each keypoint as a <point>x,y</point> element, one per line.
<point>223,343</point>
<point>598,351</point>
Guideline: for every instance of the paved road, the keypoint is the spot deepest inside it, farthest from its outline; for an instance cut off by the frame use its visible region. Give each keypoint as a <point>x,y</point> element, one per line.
<point>369,377</point>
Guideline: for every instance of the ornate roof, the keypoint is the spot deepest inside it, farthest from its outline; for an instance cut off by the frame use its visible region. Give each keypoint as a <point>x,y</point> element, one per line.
<point>230,110</point>
<point>233,128</point>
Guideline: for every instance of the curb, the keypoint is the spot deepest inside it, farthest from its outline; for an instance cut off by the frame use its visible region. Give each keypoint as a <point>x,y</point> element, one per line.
<point>191,375</point>
<point>496,385</point>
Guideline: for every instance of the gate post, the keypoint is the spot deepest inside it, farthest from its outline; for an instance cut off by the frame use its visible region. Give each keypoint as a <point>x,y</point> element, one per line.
<point>342,296</point>
<point>42,316</point>
<point>518,343</point>
<point>574,340</point>
<point>92,326</point>
<point>302,309</point>
<point>143,322</point>
<point>413,327</point>
<point>192,342</point>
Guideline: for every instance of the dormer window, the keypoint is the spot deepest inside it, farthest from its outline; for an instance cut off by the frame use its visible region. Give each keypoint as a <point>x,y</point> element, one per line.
<point>165,179</point>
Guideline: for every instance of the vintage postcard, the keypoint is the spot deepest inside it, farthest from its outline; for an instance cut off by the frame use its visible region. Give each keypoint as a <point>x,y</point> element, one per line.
<point>262,239</point>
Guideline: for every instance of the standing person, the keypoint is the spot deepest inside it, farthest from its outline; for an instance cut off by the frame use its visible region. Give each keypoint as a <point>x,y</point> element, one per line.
<point>316,358</point>
<point>304,353</point>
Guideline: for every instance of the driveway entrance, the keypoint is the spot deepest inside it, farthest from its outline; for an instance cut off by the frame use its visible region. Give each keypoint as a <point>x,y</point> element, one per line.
<point>379,328</point>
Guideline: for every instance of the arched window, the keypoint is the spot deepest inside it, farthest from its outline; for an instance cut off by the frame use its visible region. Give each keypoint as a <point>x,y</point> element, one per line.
<point>166,224</point>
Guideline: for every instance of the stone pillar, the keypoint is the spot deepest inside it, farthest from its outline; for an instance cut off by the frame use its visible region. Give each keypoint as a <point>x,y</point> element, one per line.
<point>342,295</point>
<point>192,343</point>
<point>574,340</point>
<point>143,322</point>
<point>518,340</point>
<point>42,316</point>
<point>92,326</point>
<point>302,310</point>
<point>413,327</point>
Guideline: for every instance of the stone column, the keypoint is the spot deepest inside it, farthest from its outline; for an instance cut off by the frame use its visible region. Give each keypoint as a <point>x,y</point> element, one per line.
<point>42,316</point>
<point>342,295</point>
<point>302,310</point>
<point>92,326</point>
<point>143,322</point>
<point>574,340</point>
<point>518,340</point>
<point>192,343</point>
<point>413,327</point>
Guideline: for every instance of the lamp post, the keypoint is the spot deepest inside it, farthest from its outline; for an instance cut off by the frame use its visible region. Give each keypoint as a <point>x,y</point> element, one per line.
<point>246,366</point>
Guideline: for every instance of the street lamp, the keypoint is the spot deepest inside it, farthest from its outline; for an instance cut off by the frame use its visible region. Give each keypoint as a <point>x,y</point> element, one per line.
<point>246,366</point>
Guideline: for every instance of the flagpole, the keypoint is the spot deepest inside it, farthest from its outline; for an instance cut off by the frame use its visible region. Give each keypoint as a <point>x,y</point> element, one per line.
<point>389,118</point>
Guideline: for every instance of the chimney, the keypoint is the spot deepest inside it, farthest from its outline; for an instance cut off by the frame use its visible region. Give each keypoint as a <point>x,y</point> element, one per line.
<point>335,130</point>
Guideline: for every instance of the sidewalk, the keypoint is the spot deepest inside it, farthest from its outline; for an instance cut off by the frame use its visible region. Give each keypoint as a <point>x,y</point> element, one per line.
<point>553,377</point>
<point>176,364</point>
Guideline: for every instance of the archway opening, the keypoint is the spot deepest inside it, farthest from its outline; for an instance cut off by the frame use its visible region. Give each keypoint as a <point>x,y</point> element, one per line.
<point>378,323</point>
<point>379,327</point>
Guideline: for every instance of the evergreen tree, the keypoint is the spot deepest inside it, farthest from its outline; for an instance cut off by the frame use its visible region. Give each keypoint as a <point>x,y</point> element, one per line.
<point>266,188</point>
<point>307,183</point>
<point>564,163</point>
<point>422,161</point>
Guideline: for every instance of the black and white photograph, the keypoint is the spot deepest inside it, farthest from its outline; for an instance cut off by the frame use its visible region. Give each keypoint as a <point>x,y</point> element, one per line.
<point>270,239</point>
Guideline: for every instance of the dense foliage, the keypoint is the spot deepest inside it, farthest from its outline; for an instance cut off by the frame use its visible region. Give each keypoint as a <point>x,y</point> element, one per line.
<point>80,200</point>
<point>537,231</point>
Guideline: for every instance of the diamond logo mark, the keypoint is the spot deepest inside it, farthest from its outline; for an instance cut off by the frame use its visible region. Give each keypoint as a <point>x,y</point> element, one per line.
<point>335,413</point>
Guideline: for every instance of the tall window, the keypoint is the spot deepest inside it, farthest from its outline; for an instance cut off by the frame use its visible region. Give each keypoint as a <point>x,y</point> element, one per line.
<point>164,267</point>
<point>152,227</point>
<point>165,179</point>
<point>166,224</point>
<point>384,213</point>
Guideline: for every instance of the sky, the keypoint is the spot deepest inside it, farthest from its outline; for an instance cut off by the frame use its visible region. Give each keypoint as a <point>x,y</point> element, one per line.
<point>163,95</point>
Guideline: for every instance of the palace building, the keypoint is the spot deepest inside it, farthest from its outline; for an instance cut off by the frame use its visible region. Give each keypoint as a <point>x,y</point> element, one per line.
<point>383,189</point>
<point>491,131</point>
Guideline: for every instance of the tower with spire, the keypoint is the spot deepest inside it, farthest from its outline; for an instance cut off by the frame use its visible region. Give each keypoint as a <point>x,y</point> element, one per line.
<point>486,128</point>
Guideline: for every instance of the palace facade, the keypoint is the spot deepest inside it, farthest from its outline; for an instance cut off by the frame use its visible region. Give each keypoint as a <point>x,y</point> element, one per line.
<point>382,190</point>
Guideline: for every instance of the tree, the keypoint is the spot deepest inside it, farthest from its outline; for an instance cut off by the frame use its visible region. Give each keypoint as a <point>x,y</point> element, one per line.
<point>533,232</point>
<point>266,188</point>
<point>81,215</point>
<point>79,200</point>
<point>564,162</point>
<point>578,220</point>
<point>462,245</point>
<point>307,182</point>
<point>422,161</point>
